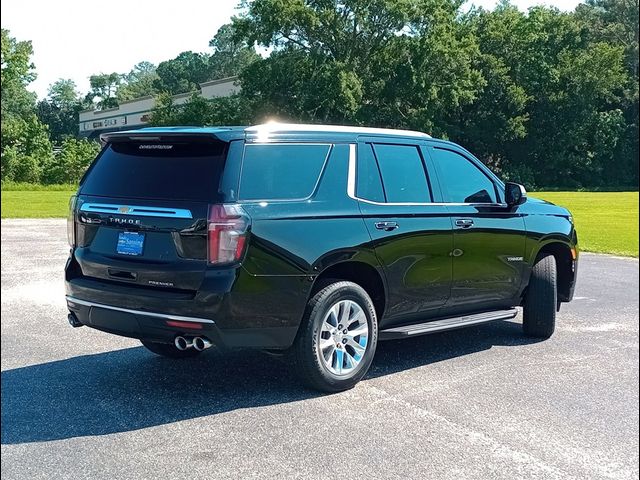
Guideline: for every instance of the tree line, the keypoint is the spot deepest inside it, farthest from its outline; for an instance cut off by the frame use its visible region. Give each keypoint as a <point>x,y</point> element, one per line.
<point>544,97</point>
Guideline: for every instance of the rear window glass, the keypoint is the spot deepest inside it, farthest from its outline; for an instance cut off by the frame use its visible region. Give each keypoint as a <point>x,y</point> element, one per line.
<point>177,171</point>
<point>281,171</point>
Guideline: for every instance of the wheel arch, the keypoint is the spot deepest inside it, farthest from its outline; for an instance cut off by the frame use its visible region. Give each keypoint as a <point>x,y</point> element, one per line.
<point>361,273</point>
<point>564,256</point>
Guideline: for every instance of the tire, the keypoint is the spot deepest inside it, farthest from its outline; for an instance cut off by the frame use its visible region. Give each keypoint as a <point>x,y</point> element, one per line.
<point>169,351</point>
<point>539,316</point>
<point>319,362</point>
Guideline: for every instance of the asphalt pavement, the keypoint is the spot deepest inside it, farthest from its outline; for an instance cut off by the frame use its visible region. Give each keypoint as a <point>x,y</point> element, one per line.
<point>480,403</point>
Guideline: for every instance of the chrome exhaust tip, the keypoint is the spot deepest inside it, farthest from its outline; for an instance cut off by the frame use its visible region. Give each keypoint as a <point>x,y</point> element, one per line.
<point>200,343</point>
<point>182,343</point>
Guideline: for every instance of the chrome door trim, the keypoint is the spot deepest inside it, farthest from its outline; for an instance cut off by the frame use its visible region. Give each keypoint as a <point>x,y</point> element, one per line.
<point>351,190</point>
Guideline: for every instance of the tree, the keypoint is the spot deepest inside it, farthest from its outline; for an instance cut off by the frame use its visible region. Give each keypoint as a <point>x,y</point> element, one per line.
<point>60,109</point>
<point>549,115</point>
<point>17,72</point>
<point>63,93</point>
<point>139,82</point>
<point>71,161</point>
<point>616,22</point>
<point>26,148</point>
<point>182,74</point>
<point>232,110</point>
<point>231,54</point>
<point>24,143</point>
<point>379,62</point>
<point>103,90</point>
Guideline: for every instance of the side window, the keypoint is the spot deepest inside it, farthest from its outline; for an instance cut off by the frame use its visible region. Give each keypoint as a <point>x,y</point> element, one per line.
<point>403,174</point>
<point>281,171</point>
<point>461,180</point>
<point>368,181</point>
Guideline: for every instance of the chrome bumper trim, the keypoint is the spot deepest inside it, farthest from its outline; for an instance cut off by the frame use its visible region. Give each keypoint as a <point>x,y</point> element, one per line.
<point>167,316</point>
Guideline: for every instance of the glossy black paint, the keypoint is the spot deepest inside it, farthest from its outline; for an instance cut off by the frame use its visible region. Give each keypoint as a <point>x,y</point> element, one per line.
<point>416,257</point>
<point>429,266</point>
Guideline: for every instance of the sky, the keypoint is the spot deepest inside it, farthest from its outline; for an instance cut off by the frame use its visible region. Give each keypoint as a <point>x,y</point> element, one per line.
<point>75,38</point>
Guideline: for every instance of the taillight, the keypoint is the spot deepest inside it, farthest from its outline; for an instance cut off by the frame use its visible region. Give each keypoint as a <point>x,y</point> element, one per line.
<point>71,221</point>
<point>227,233</point>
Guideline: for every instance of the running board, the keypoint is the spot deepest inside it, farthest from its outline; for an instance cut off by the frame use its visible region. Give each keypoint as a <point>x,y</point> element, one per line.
<point>446,324</point>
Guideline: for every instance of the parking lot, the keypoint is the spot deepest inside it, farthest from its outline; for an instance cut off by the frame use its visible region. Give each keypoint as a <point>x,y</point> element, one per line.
<point>484,402</point>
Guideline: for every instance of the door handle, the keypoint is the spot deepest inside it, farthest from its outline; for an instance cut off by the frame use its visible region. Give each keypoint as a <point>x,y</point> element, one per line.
<point>386,226</point>
<point>464,223</point>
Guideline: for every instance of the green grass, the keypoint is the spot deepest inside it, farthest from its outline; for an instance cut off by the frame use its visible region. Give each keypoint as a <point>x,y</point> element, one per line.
<point>35,204</point>
<point>607,222</point>
<point>36,187</point>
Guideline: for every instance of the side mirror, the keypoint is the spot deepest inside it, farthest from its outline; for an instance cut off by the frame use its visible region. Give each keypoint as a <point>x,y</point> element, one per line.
<point>515,194</point>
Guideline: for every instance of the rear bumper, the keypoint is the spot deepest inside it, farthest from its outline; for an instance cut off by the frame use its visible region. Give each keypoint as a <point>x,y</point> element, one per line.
<point>164,327</point>
<point>231,308</point>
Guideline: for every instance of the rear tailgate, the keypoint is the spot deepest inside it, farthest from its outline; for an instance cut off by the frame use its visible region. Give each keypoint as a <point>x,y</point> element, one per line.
<point>142,209</point>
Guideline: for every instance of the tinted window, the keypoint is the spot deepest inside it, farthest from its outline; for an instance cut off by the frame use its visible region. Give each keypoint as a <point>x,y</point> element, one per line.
<point>461,180</point>
<point>403,174</point>
<point>369,184</point>
<point>178,171</point>
<point>281,171</point>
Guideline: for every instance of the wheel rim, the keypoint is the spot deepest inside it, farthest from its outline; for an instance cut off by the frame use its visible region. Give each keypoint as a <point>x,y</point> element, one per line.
<point>344,337</point>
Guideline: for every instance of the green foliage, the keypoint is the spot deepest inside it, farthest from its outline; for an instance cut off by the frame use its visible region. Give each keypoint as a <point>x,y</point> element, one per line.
<point>551,112</point>
<point>188,70</point>
<point>69,164</point>
<point>139,82</point>
<point>63,93</point>
<point>60,110</point>
<point>230,54</point>
<point>615,22</point>
<point>542,97</point>
<point>296,86</point>
<point>26,149</point>
<point>198,111</point>
<point>17,72</point>
<point>182,74</point>
<point>103,90</point>
<point>400,64</point>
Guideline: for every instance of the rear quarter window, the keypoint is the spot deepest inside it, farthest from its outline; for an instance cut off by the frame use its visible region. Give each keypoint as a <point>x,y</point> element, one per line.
<point>281,171</point>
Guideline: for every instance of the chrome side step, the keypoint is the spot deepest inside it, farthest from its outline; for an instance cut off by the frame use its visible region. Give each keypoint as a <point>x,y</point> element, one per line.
<point>445,324</point>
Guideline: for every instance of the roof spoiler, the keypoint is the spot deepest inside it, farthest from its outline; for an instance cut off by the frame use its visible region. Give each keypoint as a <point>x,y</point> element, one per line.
<point>140,136</point>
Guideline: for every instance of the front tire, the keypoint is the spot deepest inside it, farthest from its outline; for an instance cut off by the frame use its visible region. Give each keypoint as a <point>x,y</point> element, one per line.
<point>539,315</point>
<point>169,350</point>
<point>337,338</point>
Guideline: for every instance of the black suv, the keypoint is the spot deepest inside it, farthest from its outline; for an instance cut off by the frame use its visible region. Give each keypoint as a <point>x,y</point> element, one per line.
<point>315,241</point>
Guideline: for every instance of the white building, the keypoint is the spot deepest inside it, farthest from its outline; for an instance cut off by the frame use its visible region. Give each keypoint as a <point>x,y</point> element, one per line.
<point>133,114</point>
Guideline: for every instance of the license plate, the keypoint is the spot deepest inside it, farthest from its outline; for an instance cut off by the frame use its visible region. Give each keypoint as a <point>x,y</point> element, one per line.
<point>130,243</point>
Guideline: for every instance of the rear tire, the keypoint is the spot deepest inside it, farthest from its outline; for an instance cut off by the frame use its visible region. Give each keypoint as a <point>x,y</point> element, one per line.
<point>327,358</point>
<point>169,351</point>
<point>539,316</point>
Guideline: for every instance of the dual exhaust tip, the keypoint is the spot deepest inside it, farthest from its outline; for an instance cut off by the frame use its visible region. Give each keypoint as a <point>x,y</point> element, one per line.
<point>197,343</point>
